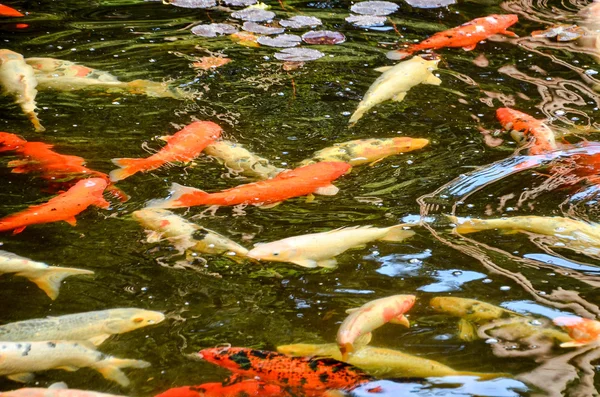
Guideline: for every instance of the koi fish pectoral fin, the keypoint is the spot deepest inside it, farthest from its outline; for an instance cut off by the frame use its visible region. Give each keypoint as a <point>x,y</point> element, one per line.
<point>401,320</point>
<point>267,206</point>
<point>383,69</point>
<point>328,263</point>
<point>399,97</point>
<point>509,33</point>
<point>18,230</point>
<point>99,339</point>
<point>329,190</point>
<point>306,263</point>
<point>362,340</point>
<point>433,80</point>
<point>21,378</point>
<point>71,221</point>
<point>470,47</point>
<point>154,237</point>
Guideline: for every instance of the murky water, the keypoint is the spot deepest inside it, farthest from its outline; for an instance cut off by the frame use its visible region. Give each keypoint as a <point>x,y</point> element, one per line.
<point>285,116</point>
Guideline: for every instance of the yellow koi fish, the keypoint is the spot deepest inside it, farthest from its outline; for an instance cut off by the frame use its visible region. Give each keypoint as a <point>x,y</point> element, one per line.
<point>55,390</point>
<point>395,82</point>
<point>47,278</point>
<point>239,160</point>
<point>17,79</point>
<point>381,362</point>
<point>357,327</point>
<point>319,249</point>
<point>94,327</point>
<point>185,235</point>
<point>362,151</point>
<point>20,359</point>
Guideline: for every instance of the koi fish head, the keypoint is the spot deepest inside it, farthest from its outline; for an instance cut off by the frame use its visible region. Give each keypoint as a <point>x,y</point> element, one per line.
<point>206,129</point>
<point>95,186</point>
<point>410,144</point>
<point>508,117</point>
<point>276,251</point>
<point>582,330</point>
<point>232,358</point>
<point>10,141</point>
<point>125,320</point>
<point>152,217</point>
<point>466,308</point>
<point>505,20</point>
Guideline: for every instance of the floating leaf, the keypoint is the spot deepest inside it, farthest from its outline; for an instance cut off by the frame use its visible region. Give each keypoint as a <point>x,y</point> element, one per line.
<point>193,3</point>
<point>283,40</point>
<point>239,3</point>
<point>561,32</point>
<point>206,63</point>
<point>245,38</point>
<point>261,29</point>
<point>323,37</point>
<point>430,3</point>
<point>374,8</point>
<point>213,29</point>
<point>300,21</point>
<point>298,55</point>
<point>366,21</point>
<point>253,15</point>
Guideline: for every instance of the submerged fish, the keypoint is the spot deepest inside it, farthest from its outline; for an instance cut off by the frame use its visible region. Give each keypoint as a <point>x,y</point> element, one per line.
<point>357,327</point>
<point>47,278</point>
<point>590,16</point>
<point>381,362</point>
<point>55,390</point>
<point>288,184</point>
<point>583,330</point>
<point>245,388</point>
<point>20,359</point>
<point>94,327</point>
<point>10,142</point>
<point>17,79</point>
<point>362,151</point>
<point>466,35</point>
<point>63,207</point>
<point>320,249</point>
<point>238,159</point>
<point>541,137</point>
<point>395,82</point>
<point>470,309</point>
<point>185,235</point>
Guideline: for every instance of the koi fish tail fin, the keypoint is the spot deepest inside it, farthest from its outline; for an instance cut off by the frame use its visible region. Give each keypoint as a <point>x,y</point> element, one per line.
<point>49,279</point>
<point>397,233</point>
<point>177,191</point>
<point>117,193</point>
<point>130,167</point>
<point>110,368</point>
<point>36,122</point>
<point>398,55</point>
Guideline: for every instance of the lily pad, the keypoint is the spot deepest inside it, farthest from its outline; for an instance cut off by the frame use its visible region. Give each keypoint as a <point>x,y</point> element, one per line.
<point>366,21</point>
<point>254,27</point>
<point>239,3</point>
<point>430,3</point>
<point>300,21</point>
<point>374,8</point>
<point>213,30</point>
<point>327,37</point>
<point>253,15</point>
<point>193,3</point>
<point>298,54</point>
<point>283,40</point>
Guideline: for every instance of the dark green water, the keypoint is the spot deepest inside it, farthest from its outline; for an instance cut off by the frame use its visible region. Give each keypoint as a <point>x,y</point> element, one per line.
<point>285,116</point>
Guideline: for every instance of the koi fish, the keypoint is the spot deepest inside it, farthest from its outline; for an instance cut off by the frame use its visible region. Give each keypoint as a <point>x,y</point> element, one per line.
<point>290,372</point>
<point>184,146</point>
<point>319,249</point>
<point>10,141</point>
<point>20,359</point>
<point>63,207</point>
<point>381,362</point>
<point>293,183</point>
<point>245,388</point>
<point>239,160</point>
<point>17,79</point>
<point>55,390</point>
<point>94,327</point>
<point>541,135</point>
<point>362,151</point>
<point>583,330</point>
<point>590,16</point>
<point>470,309</point>
<point>6,11</point>
<point>395,82</point>
<point>186,235</point>
<point>47,278</point>
<point>357,327</point>
<point>466,35</point>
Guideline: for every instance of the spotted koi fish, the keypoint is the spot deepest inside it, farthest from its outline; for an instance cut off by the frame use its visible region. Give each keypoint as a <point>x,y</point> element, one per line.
<point>583,330</point>
<point>526,128</point>
<point>246,388</point>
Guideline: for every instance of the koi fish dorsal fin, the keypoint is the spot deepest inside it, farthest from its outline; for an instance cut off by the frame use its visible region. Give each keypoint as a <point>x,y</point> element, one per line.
<point>110,368</point>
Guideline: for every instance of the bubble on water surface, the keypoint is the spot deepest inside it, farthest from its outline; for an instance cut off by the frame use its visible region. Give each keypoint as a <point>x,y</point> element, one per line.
<point>365,21</point>
<point>327,37</point>
<point>300,21</point>
<point>298,55</point>
<point>430,3</point>
<point>283,40</point>
<point>254,15</point>
<point>213,30</point>
<point>193,3</point>
<point>374,8</point>
<point>261,29</point>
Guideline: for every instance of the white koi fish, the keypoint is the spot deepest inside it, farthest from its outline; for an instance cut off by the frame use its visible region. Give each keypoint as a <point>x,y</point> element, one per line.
<point>238,159</point>
<point>94,327</point>
<point>590,16</point>
<point>319,249</point>
<point>55,390</point>
<point>18,80</point>
<point>47,278</point>
<point>20,359</point>
<point>395,82</point>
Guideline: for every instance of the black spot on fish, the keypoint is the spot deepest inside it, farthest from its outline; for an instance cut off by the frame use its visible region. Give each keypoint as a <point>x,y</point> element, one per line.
<point>260,354</point>
<point>284,380</point>
<point>323,378</point>
<point>27,350</point>
<point>303,381</point>
<point>313,364</point>
<point>199,234</point>
<point>51,345</point>
<point>241,359</point>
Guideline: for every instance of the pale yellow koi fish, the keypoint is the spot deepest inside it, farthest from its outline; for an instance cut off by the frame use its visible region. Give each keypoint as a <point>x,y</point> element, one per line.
<point>319,249</point>
<point>185,235</point>
<point>21,359</point>
<point>395,82</point>
<point>55,390</point>
<point>363,151</point>
<point>17,79</point>
<point>239,160</point>
<point>357,327</point>
<point>47,278</point>
<point>94,327</point>
<point>381,362</point>
<point>470,309</point>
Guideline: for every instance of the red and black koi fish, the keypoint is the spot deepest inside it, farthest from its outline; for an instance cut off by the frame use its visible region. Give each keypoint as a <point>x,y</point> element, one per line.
<point>246,388</point>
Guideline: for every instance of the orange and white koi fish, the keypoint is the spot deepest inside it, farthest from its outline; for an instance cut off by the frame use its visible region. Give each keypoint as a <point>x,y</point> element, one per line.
<point>6,11</point>
<point>18,80</point>
<point>55,390</point>
<point>294,183</point>
<point>245,388</point>
<point>466,35</point>
<point>184,146</point>
<point>541,136</point>
<point>10,141</point>
<point>357,327</point>
<point>583,330</point>
<point>240,160</point>
<point>63,207</point>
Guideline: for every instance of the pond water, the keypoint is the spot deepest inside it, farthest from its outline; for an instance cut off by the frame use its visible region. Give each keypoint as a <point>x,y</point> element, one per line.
<point>285,115</point>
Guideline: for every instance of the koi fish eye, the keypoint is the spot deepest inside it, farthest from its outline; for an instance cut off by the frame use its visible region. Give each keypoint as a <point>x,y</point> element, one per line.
<point>275,253</point>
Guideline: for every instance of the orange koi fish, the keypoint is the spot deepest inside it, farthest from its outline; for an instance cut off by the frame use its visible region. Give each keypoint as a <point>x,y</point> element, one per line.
<point>6,11</point>
<point>300,373</point>
<point>293,183</point>
<point>184,146</point>
<point>582,330</point>
<point>10,141</point>
<point>466,35</point>
<point>543,140</point>
<point>63,207</point>
<point>246,388</point>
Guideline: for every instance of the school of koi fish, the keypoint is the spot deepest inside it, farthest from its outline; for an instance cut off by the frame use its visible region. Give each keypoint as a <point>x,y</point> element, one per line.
<point>70,342</point>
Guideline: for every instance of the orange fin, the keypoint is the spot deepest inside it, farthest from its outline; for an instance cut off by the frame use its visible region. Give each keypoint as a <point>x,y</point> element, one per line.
<point>18,230</point>
<point>71,221</point>
<point>470,47</point>
<point>128,168</point>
